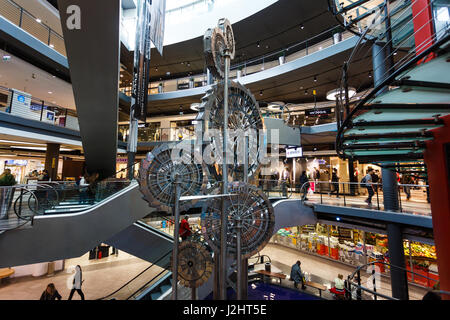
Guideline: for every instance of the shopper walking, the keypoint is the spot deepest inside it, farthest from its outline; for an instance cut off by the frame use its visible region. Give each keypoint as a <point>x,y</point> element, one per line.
<point>407,181</point>
<point>367,182</point>
<point>335,182</point>
<point>304,185</point>
<point>7,178</point>
<point>185,230</point>
<point>83,190</point>
<point>50,293</point>
<point>297,275</point>
<point>375,180</point>
<point>77,282</point>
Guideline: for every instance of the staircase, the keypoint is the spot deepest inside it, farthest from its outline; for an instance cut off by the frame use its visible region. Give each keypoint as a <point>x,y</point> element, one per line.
<point>392,123</point>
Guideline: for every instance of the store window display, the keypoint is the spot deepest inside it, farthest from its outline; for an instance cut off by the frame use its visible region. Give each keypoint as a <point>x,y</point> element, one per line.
<point>356,248</point>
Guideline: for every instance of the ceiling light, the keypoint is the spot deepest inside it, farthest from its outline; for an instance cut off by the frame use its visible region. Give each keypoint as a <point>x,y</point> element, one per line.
<point>370,74</point>
<point>121,75</point>
<point>331,95</point>
<point>315,78</point>
<point>52,46</point>
<point>257,44</point>
<point>188,64</point>
<point>38,20</point>
<point>156,69</point>
<point>50,92</point>
<point>302,26</point>
<point>261,93</point>
<point>306,92</point>
<point>168,73</point>
<point>195,106</point>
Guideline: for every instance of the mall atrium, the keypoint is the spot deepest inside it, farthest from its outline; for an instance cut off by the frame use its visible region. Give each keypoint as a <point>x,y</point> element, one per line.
<point>225,150</point>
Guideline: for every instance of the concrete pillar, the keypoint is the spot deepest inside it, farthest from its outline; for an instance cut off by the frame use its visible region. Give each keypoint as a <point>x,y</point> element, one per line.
<point>399,279</point>
<point>52,159</point>
<point>390,190</point>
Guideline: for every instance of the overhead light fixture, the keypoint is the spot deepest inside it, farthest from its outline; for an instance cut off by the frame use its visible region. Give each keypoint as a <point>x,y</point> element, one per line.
<point>257,44</point>
<point>331,95</point>
<point>306,92</point>
<point>370,74</point>
<point>302,26</point>
<point>38,20</point>
<point>52,46</point>
<point>188,64</point>
<point>275,106</point>
<point>50,92</point>
<point>195,106</point>
<point>315,78</point>
<point>156,69</point>
<point>261,93</point>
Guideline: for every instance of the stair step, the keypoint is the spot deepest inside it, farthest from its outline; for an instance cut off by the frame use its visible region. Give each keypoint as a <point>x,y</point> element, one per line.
<point>363,140</point>
<point>413,95</point>
<point>155,295</point>
<point>403,114</point>
<point>165,288</point>
<point>385,130</point>
<point>438,68</point>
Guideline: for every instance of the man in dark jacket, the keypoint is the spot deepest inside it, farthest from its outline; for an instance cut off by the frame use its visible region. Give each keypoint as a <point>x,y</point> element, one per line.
<point>304,185</point>
<point>297,275</point>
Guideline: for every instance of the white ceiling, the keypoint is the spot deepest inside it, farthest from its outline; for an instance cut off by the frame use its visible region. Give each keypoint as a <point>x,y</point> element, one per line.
<point>18,74</point>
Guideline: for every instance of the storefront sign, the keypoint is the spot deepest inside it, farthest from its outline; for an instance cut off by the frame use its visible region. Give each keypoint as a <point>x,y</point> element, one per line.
<point>294,152</point>
<point>16,162</point>
<point>183,86</point>
<point>318,112</point>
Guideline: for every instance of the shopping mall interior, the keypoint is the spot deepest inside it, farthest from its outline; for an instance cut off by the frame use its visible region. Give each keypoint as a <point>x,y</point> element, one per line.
<point>336,118</point>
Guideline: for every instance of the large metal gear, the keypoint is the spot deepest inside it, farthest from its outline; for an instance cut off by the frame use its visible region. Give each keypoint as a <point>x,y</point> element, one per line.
<point>214,43</point>
<point>194,264</point>
<point>243,115</point>
<point>157,178</point>
<point>252,208</point>
<point>225,26</point>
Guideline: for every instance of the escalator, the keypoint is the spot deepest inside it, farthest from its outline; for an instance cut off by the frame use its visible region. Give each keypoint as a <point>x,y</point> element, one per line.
<point>73,231</point>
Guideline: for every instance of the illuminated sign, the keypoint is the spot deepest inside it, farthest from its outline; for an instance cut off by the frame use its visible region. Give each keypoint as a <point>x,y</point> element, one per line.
<point>318,112</point>
<point>294,152</point>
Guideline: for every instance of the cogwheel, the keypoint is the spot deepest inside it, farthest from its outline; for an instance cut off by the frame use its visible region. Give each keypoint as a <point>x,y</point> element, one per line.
<point>194,264</point>
<point>157,177</point>
<point>254,211</point>
<point>244,116</point>
<point>214,45</point>
<point>225,25</point>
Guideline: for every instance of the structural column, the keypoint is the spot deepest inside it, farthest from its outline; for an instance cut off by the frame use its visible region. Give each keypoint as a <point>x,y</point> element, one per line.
<point>437,159</point>
<point>399,279</point>
<point>52,159</point>
<point>390,190</point>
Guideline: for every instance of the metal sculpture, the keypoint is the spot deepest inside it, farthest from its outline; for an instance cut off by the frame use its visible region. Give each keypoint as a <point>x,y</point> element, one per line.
<point>251,209</point>
<point>194,264</point>
<point>157,176</point>
<point>244,117</point>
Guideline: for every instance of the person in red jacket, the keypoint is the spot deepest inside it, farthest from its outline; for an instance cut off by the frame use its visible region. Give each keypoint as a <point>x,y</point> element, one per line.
<point>185,230</point>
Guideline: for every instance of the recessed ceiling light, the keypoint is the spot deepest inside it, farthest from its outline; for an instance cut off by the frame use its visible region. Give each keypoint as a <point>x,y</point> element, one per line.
<point>302,26</point>
<point>50,92</point>
<point>52,46</point>
<point>38,20</point>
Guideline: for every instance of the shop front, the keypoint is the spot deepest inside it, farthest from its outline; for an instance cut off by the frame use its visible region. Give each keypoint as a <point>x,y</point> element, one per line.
<point>356,248</point>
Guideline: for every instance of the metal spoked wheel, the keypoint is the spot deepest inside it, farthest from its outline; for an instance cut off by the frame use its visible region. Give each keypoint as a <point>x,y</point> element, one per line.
<point>157,176</point>
<point>195,264</point>
<point>244,118</point>
<point>225,26</point>
<point>252,208</point>
<point>214,43</point>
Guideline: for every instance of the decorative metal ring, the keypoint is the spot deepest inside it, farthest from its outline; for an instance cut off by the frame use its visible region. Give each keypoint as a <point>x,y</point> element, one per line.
<point>194,264</point>
<point>251,207</point>
<point>157,175</point>
<point>225,25</point>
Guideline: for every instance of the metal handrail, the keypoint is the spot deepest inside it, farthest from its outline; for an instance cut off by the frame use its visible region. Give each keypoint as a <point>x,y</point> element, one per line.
<point>375,293</point>
<point>138,275</point>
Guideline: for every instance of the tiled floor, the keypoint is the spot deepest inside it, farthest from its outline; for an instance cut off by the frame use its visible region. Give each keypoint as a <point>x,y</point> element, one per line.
<point>101,277</point>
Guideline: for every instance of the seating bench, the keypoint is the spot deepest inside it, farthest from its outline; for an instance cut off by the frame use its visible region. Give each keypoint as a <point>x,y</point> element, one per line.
<point>279,276</point>
<point>316,285</point>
